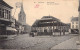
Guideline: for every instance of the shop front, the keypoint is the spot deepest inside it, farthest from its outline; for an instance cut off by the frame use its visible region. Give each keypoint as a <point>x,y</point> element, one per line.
<point>2,30</point>
<point>10,31</point>
<point>3,24</point>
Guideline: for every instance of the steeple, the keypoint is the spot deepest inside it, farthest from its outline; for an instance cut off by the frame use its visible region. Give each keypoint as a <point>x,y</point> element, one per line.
<point>22,15</point>
<point>22,9</point>
<point>22,6</point>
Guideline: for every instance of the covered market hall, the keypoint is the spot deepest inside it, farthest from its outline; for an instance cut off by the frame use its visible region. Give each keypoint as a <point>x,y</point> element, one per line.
<point>48,25</point>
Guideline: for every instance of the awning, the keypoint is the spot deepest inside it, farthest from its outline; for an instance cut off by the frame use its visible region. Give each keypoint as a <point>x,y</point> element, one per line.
<point>5,21</point>
<point>10,28</point>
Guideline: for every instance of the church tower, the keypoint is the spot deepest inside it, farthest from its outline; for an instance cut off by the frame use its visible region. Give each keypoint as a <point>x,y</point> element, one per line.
<point>22,15</point>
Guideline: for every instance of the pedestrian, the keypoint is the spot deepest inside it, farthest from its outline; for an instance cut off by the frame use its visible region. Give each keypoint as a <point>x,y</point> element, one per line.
<point>32,34</point>
<point>60,32</point>
<point>63,32</point>
<point>53,33</point>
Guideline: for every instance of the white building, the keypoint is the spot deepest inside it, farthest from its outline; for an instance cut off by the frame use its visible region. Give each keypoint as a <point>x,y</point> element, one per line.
<point>74,25</point>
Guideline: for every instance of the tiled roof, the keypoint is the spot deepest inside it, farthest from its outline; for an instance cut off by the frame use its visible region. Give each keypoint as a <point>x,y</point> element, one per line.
<point>74,19</point>
<point>5,4</point>
<point>45,19</point>
<point>49,17</point>
<point>35,24</point>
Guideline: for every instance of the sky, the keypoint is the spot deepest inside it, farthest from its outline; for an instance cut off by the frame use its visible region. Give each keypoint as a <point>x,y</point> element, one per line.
<point>36,9</point>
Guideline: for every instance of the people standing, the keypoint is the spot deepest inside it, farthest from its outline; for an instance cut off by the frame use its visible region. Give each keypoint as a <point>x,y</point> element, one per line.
<point>64,32</point>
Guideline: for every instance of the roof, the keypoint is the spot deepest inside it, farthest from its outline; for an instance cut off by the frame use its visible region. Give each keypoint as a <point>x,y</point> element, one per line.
<point>74,19</point>
<point>5,4</point>
<point>35,24</point>
<point>50,17</point>
<point>47,21</point>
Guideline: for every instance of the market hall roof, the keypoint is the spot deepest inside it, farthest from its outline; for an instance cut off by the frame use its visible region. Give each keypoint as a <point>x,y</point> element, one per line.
<point>49,17</point>
<point>47,21</point>
<point>5,4</point>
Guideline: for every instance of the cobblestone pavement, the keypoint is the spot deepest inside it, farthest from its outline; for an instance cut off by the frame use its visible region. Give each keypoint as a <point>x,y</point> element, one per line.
<point>34,43</point>
<point>67,45</point>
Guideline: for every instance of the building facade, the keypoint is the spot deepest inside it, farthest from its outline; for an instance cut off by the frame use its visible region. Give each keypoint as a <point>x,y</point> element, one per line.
<point>5,17</point>
<point>49,24</point>
<point>11,29</point>
<point>74,25</point>
<point>19,27</point>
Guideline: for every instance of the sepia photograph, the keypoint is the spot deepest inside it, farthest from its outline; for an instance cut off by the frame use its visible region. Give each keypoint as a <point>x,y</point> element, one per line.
<point>39,24</point>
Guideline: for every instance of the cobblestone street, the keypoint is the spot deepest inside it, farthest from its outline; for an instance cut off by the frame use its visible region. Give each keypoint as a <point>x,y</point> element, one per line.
<point>34,43</point>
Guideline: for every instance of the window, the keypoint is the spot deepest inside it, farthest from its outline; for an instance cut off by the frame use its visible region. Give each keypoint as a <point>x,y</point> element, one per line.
<point>9,15</point>
<point>76,26</point>
<point>76,22</point>
<point>2,13</point>
<point>72,26</point>
<point>6,14</point>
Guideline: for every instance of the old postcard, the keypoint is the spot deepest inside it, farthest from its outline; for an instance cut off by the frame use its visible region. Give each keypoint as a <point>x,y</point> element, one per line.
<point>39,24</point>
